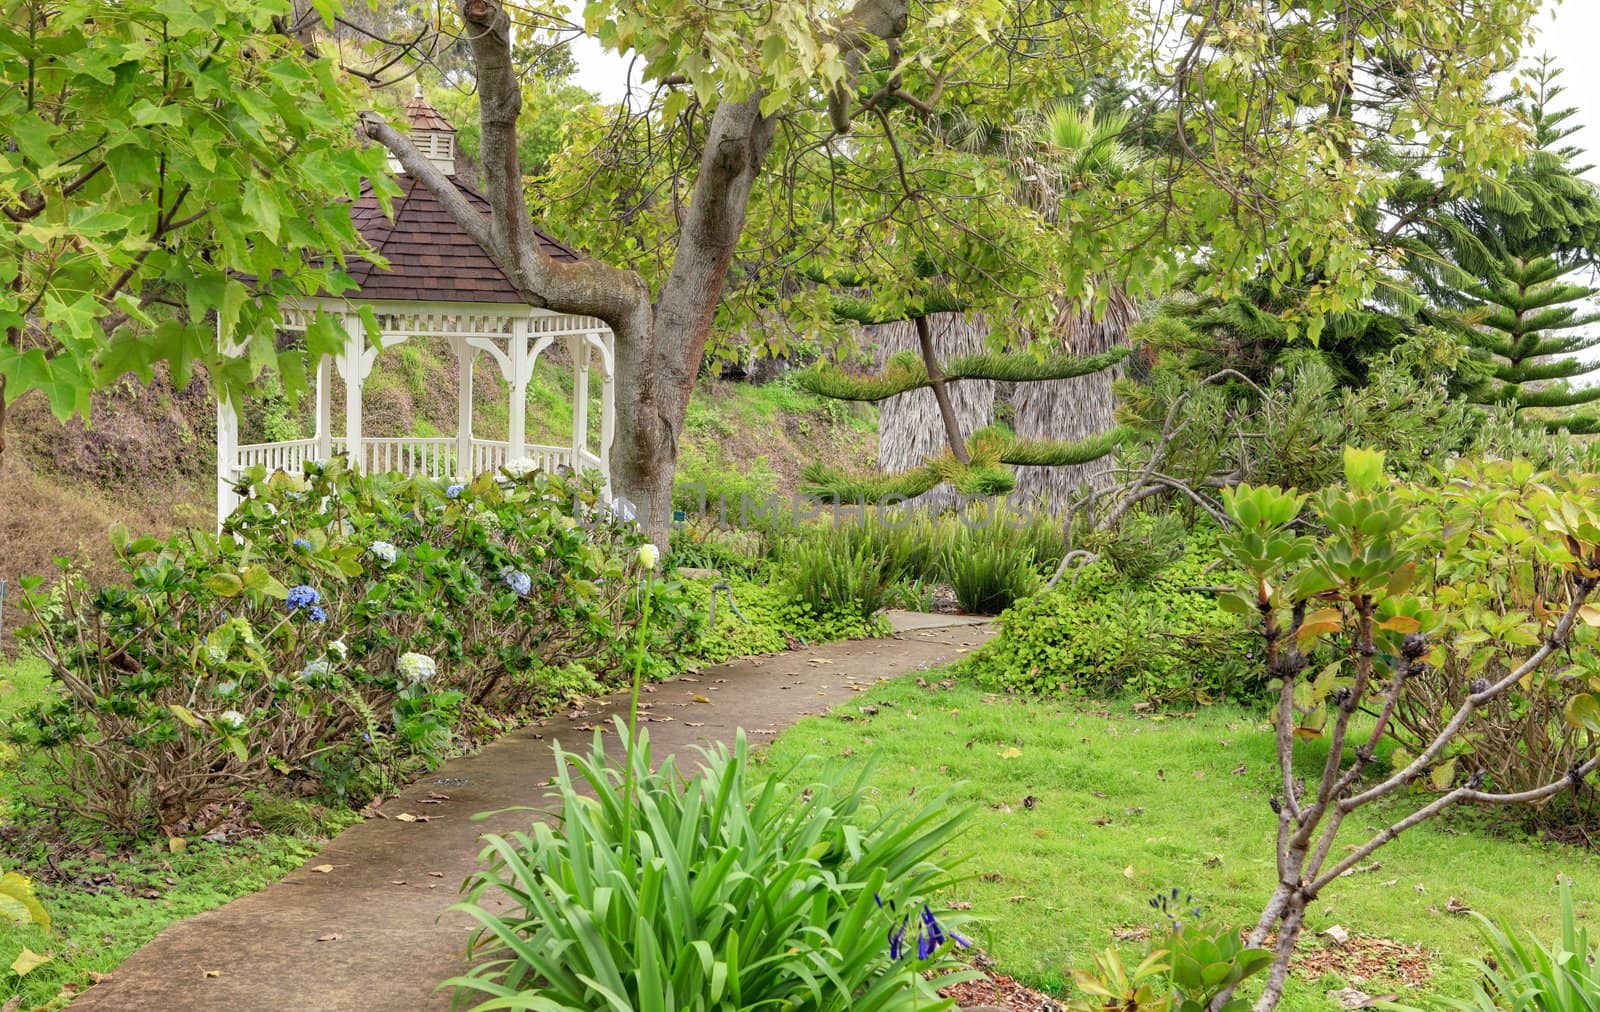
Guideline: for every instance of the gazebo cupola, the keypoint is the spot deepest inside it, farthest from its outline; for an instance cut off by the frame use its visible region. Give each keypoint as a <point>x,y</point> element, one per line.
<point>439,285</point>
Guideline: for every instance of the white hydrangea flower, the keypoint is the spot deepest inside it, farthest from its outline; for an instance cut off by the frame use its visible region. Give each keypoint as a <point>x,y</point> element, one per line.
<point>521,467</point>
<point>649,555</point>
<point>383,552</point>
<point>315,669</point>
<point>231,719</point>
<point>338,651</point>
<point>416,668</point>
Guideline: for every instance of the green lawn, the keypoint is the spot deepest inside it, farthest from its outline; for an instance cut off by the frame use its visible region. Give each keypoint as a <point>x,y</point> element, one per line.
<point>1127,805</point>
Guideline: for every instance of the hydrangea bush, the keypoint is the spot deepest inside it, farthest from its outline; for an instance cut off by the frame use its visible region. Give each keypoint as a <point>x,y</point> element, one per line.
<point>340,622</point>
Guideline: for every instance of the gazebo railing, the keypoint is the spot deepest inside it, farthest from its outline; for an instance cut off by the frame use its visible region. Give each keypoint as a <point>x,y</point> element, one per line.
<point>432,456</point>
<point>287,456</point>
<point>489,455</point>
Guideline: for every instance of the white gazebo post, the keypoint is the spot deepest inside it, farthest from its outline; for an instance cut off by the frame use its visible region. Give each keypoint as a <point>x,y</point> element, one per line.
<point>517,380</point>
<point>465,353</point>
<point>578,348</point>
<point>227,436</point>
<point>325,409</point>
<point>227,453</point>
<point>608,403</point>
<point>352,366</point>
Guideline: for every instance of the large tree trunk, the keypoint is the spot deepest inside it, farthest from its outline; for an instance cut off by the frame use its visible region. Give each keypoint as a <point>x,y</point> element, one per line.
<point>910,427</point>
<point>660,342</point>
<point>1075,408</point>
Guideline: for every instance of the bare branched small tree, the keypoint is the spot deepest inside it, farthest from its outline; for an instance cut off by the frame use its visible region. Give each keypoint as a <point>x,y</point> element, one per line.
<point>1390,584</point>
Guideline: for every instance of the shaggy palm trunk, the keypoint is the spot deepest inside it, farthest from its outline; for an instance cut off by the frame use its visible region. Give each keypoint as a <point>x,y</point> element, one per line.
<point>911,429</point>
<point>1076,408</point>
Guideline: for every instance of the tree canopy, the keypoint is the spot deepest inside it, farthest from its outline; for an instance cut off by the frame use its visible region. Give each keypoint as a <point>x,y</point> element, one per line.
<point>168,169</point>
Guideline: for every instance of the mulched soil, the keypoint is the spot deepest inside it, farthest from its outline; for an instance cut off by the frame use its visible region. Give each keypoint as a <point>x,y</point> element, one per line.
<point>1360,960</point>
<point>1364,959</point>
<point>1001,991</point>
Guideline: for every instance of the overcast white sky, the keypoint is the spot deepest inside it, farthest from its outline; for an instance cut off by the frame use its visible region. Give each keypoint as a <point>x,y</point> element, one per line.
<point>1569,31</point>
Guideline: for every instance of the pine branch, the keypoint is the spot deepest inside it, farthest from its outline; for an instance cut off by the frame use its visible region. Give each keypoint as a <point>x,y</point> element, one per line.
<point>1061,453</point>
<point>906,372</point>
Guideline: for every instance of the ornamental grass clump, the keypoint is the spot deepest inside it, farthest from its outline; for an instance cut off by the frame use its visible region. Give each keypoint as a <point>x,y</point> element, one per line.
<point>733,890</point>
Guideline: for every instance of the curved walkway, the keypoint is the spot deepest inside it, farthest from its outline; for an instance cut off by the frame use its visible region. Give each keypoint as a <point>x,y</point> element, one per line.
<point>374,931</point>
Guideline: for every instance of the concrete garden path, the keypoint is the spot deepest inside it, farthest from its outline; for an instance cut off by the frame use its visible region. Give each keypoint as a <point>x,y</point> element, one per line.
<point>374,931</point>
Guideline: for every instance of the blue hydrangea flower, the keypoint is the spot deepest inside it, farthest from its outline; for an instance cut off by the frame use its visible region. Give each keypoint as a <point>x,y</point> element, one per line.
<point>301,544</point>
<point>316,670</point>
<point>517,580</point>
<point>454,491</point>
<point>302,597</point>
<point>317,614</point>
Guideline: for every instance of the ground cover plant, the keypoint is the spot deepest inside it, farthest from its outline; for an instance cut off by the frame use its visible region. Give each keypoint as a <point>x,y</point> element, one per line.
<point>1087,810</point>
<point>1151,628</point>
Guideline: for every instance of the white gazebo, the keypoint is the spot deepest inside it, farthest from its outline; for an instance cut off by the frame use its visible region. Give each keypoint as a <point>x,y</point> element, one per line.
<point>439,285</point>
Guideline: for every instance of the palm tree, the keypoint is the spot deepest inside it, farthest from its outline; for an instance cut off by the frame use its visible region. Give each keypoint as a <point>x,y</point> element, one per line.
<point>1076,147</point>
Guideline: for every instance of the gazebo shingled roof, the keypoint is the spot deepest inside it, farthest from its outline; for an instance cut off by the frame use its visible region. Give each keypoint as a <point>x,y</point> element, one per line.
<point>431,258</point>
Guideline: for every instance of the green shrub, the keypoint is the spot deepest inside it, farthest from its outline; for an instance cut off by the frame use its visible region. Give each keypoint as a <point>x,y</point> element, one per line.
<point>701,543</point>
<point>340,624</point>
<point>1101,634</point>
<point>1493,574</point>
<point>768,620</point>
<point>1530,977</point>
<point>707,483</point>
<point>1143,545</point>
<point>1186,966</point>
<point>724,890</point>
<point>988,569</point>
<point>829,578</point>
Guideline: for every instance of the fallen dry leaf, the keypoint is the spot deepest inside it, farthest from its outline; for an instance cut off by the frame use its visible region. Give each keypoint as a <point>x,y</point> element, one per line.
<point>213,973</point>
<point>701,699</point>
<point>405,817</point>
<point>323,869</point>
<point>27,961</point>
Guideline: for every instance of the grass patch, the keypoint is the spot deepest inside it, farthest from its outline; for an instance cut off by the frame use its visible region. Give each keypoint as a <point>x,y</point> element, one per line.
<point>1124,805</point>
<point>103,909</point>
